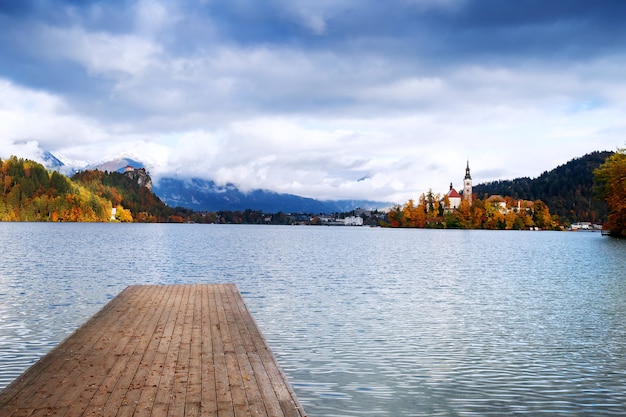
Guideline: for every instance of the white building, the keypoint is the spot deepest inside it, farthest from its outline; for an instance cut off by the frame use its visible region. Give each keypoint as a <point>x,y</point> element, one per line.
<point>454,198</point>
<point>353,221</point>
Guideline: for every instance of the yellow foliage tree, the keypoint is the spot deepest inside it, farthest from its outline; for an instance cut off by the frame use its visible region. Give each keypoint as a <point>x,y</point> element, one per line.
<point>123,215</point>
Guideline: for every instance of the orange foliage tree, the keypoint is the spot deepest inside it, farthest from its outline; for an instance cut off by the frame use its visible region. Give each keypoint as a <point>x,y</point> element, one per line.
<point>611,179</point>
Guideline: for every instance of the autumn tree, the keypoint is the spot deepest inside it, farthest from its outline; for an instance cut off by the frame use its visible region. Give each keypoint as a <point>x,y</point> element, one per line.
<point>611,180</point>
<point>511,220</point>
<point>465,210</point>
<point>419,215</point>
<point>409,214</point>
<point>395,217</point>
<point>541,215</point>
<point>123,215</point>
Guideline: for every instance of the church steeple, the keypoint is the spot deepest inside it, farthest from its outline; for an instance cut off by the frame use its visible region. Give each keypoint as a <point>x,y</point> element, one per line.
<point>467,185</point>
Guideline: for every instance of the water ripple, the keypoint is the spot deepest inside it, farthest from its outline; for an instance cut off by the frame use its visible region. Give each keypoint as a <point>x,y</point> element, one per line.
<point>364,322</point>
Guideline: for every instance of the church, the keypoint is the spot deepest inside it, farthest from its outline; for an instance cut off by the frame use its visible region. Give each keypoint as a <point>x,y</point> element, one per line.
<point>455,198</point>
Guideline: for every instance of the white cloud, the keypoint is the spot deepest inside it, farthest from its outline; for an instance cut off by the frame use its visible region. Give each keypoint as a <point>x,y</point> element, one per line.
<point>102,54</point>
<point>34,115</point>
<point>22,149</point>
<point>309,119</point>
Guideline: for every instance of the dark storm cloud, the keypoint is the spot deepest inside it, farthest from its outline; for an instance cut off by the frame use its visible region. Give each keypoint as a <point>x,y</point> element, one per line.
<point>446,29</point>
<point>553,30</point>
<point>425,37</point>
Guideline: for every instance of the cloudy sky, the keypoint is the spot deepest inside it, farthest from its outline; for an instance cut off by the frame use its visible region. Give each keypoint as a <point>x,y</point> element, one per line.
<point>321,98</point>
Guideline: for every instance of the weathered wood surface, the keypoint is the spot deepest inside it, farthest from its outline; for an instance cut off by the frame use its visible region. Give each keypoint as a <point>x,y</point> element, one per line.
<point>176,350</point>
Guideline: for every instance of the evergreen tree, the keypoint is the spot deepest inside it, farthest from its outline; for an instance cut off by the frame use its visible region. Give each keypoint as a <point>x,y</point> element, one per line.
<point>567,189</point>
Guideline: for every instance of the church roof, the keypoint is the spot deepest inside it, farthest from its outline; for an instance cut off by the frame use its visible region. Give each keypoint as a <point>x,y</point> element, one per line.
<point>453,193</point>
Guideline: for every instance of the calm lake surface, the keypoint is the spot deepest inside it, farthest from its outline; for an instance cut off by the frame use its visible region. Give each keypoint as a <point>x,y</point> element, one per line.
<point>364,321</point>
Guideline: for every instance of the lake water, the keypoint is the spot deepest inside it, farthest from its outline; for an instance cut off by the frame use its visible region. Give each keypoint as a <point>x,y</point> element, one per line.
<point>364,321</point>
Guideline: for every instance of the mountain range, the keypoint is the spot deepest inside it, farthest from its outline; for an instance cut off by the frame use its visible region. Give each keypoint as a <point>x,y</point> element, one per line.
<point>206,195</point>
<point>568,190</point>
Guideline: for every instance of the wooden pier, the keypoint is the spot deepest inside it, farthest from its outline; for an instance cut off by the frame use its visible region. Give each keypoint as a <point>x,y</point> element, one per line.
<point>175,350</point>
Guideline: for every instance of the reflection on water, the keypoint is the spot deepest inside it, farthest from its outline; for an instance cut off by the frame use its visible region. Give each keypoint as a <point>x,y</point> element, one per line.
<point>363,321</point>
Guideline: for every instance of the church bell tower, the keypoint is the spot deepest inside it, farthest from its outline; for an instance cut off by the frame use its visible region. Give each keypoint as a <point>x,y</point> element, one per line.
<point>467,185</point>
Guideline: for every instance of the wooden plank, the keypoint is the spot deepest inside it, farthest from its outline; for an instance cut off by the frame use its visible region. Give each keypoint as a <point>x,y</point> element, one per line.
<point>222,383</point>
<point>59,370</point>
<point>167,390</point>
<point>266,363</point>
<point>157,347</point>
<point>159,351</point>
<point>129,355</point>
<point>240,335</point>
<point>208,379</point>
<point>235,382</point>
<point>115,384</point>
<point>150,339</point>
<point>194,387</point>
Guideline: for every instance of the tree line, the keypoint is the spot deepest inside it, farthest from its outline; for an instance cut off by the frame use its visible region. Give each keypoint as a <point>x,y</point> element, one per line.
<point>569,189</point>
<point>29,192</point>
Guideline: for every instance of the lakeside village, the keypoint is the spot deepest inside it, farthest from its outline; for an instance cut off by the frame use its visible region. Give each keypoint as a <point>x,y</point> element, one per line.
<point>457,210</point>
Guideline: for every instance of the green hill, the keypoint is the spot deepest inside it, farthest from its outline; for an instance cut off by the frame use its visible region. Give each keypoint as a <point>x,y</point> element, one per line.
<point>125,191</point>
<point>568,189</point>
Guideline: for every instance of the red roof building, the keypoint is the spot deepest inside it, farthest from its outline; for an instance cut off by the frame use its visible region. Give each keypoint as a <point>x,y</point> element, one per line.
<point>454,199</point>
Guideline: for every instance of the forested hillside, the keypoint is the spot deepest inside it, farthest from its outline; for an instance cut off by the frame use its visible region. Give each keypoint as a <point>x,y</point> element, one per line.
<point>29,192</point>
<point>121,190</point>
<point>568,189</point>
